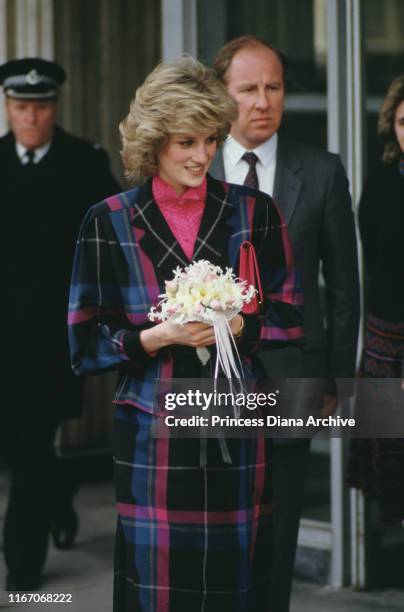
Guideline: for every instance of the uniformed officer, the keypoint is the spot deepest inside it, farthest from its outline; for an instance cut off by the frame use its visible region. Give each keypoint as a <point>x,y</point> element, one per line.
<point>48,180</point>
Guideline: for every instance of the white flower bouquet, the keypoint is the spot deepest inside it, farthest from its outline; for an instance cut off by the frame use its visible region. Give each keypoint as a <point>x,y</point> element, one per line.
<point>204,292</point>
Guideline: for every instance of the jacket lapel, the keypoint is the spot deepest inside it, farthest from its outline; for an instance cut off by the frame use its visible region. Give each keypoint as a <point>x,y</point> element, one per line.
<point>158,241</point>
<point>214,233</point>
<point>161,246</point>
<point>287,182</point>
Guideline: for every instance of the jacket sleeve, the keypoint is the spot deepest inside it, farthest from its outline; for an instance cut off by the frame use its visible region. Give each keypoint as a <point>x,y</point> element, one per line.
<point>340,271</point>
<point>281,321</point>
<point>101,337</point>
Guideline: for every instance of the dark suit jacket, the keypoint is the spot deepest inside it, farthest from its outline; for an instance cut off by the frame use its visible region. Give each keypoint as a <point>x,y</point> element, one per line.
<point>311,189</point>
<point>42,207</point>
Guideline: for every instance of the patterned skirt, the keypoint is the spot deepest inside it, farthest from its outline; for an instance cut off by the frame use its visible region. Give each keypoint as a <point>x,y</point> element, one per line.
<point>376,466</point>
<point>189,538</point>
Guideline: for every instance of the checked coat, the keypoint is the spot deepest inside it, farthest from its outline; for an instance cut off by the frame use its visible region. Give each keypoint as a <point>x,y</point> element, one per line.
<point>189,536</point>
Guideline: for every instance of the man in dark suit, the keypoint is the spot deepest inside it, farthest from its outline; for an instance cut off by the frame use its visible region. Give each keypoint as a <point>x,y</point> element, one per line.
<point>311,189</point>
<point>38,160</point>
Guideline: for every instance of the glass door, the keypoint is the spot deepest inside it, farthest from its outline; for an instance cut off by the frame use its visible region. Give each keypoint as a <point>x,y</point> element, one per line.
<point>327,105</point>
<point>299,29</point>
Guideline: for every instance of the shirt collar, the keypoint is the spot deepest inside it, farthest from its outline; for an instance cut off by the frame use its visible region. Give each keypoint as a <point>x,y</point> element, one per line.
<point>265,152</point>
<point>39,152</point>
<point>162,191</point>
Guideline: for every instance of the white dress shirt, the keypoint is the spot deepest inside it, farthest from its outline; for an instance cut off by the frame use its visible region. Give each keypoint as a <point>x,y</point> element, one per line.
<point>39,153</point>
<point>236,168</point>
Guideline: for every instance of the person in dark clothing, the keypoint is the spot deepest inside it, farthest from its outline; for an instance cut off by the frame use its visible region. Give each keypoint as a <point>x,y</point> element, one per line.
<point>48,180</point>
<point>311,189</point>
<point>376,466</point>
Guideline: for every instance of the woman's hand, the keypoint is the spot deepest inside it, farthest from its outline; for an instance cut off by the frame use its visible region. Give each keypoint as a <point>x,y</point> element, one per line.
<point>236,325</point>
<point>166,333</point>
<point>189,334</point>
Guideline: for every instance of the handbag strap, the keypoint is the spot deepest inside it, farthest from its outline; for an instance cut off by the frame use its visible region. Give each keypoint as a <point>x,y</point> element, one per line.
<point>249,270</point>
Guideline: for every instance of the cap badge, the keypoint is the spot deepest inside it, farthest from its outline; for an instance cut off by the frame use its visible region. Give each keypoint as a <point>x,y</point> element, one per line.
<point>32,78</point>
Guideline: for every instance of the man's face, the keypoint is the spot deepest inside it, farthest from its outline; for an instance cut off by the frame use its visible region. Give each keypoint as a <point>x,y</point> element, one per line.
<point>31,121</point>
<point>255,81</point>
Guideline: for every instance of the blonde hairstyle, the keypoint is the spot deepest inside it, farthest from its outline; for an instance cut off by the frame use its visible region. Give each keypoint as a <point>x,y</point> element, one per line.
<point>387,113</point>
<point>179,97</point>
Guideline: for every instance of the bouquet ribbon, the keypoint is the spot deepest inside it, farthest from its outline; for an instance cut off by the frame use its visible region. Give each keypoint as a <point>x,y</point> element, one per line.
<point>225,351</point>
<point>227,356</point>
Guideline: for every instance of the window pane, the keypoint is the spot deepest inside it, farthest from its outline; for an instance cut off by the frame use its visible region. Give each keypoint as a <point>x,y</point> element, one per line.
<point>298,29</point>
<point>384,36</point>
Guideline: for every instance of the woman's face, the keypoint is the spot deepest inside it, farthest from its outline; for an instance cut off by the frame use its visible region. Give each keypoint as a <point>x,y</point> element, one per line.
<point>185,159</point>
<point>399,125</point>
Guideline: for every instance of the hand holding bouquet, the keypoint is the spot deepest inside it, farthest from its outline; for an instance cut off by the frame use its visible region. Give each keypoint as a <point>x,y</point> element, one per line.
<point>205,293</point>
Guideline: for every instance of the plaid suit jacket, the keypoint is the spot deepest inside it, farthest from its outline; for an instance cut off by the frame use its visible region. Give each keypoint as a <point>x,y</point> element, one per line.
<point>125,252</point>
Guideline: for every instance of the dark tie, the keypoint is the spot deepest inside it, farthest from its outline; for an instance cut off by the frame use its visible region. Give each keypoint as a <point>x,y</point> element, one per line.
<point>251,180</point>
<point>29,154</point>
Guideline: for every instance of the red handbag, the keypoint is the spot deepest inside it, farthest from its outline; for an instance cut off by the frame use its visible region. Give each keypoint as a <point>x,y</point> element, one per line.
<point>249,271</point>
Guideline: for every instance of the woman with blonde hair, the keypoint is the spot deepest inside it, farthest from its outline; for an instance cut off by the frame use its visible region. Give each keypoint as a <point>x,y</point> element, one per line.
<point>377,466</point>
<point>193,527</point>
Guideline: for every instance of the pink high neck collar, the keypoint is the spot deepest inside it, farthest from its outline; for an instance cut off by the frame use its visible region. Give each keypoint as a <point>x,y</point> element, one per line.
<point>163,191</point>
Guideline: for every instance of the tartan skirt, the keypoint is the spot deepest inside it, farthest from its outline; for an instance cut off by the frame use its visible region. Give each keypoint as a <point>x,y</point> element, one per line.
<point>189,537</point>
<point>376,466</point>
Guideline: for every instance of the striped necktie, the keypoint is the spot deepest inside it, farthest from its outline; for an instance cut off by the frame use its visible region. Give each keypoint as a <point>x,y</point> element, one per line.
<point>251,180</point>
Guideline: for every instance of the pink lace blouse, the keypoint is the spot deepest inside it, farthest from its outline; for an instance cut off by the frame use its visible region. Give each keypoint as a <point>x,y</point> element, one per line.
<point>183,213</point>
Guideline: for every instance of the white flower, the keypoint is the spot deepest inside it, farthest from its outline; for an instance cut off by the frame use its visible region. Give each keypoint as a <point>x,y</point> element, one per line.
<point>202,292</point>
